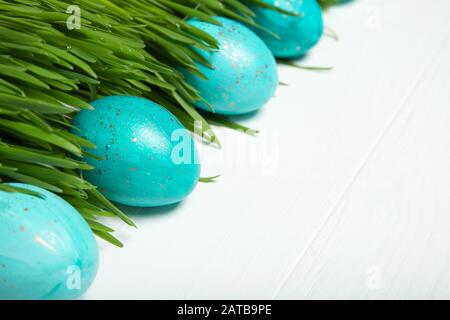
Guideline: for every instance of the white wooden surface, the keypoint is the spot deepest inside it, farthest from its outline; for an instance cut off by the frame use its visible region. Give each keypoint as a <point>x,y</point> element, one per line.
<point>344,194</point>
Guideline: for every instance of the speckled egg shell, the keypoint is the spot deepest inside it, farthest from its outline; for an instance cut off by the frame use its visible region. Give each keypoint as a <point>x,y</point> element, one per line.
<point>298,34</point>
<point>245,74</point>
<point>47,251</point>
<point>140,143</point>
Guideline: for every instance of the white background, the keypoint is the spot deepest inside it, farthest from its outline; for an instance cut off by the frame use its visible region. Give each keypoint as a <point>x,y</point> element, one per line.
<point>344,194</point>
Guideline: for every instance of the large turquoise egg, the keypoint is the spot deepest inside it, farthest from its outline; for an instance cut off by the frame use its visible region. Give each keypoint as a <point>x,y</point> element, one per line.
<point>148,158</point>
<point>245,74</point>
<point>47,250</point>
<point>297,33</point>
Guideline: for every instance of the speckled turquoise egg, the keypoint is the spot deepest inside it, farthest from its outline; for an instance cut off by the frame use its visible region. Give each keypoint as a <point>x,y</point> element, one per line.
<point>148,158</point>
<point>47,251</point>
<point>245,74</point>
<point>298,34</point>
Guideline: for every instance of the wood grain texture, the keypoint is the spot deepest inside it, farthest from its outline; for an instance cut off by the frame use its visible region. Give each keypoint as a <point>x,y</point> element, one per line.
<point>344,194</point>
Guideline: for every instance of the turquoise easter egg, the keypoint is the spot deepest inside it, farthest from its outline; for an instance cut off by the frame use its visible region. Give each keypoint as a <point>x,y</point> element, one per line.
<point>297,33</point>
<point>47,250</point>
<point>245,74</point>
<point>148,158</point>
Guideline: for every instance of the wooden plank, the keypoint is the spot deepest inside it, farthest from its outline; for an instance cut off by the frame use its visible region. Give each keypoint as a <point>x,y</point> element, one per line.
<point>248,235</point>
<point>388,235</point>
